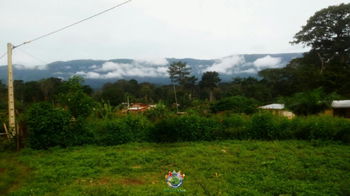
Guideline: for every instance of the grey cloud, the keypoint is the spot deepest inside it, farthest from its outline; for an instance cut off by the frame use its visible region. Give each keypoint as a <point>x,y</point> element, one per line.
<point>227,65</point>
<point>267,62</point>
<point>119,70</point>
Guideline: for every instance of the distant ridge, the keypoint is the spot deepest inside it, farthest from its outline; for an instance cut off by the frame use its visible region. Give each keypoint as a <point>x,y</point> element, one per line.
<point>98,72</point>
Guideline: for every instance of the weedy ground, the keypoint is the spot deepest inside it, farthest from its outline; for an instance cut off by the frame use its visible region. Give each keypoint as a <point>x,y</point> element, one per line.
<point>211,168</point>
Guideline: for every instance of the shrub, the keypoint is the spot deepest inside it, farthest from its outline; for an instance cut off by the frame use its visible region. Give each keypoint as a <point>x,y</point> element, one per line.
<point>80,133</point>
<point>7,144</point>
<point>265,125</point>
<point>104,110</point>
<point>49,126</point>
<point>157,113</point>
<point>237,104</point>
<point>73,97</point>
<point>130,128</point>
<point>185,128</point>
<point>321,127</point>
<point>233,126</point>
<point>310,102</point>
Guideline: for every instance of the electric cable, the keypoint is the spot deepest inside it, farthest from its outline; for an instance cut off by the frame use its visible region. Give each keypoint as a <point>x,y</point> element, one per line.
<point>73,24</point>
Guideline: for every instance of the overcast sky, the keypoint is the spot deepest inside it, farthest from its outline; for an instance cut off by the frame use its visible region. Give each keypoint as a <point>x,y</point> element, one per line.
<point>153,28</point>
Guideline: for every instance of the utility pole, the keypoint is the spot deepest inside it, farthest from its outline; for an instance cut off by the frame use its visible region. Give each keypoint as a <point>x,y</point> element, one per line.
<point>11,102</point>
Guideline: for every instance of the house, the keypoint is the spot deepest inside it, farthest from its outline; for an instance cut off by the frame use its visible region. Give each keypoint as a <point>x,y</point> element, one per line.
<point>278,109</point>
<point>339,108</point>
<point>139,107</point>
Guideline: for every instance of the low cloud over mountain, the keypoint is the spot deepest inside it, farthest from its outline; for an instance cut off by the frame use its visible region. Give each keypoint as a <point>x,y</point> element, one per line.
<point>137,68</point>
<point>96,72</point>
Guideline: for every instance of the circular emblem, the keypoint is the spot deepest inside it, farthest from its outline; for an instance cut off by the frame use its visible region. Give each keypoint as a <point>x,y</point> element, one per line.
<point>174,179</point>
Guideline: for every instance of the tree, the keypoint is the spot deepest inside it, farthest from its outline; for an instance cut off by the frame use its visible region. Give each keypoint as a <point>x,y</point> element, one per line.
<point>75,99</point>
<point>210,80</point>
<point>190,84</point>
<point>179,73</point>
<point>250,87</point>
<point>236,104</point>
<point>50,87</point>
<point>327,32</point>
<point>310,102</point>
<point>112,93</point>
<point>327,65</point>
<point>32,92</point>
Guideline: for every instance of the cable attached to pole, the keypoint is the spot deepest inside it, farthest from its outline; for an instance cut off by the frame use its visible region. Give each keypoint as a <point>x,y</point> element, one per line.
<point>2,56</point>
<point>73,24</point>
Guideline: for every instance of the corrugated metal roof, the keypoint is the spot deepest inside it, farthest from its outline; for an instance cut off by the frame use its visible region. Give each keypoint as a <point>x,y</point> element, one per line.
<point>341,104</point>
<point>274,106</point>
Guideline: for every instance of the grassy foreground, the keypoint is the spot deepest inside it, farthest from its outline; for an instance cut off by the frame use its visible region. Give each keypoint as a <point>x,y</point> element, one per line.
<point>211,168</point>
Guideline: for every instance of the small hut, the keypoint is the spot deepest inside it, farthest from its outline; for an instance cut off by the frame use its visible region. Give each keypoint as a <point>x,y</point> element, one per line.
<point>341,108</point>
<point>139,107</point>
<point>278,109</point>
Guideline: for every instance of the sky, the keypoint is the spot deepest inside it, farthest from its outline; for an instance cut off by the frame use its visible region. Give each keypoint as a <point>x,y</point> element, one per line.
<point>153,29</point>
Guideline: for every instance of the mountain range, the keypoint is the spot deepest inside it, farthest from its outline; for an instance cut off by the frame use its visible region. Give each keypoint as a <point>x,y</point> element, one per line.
<point>98,72</point>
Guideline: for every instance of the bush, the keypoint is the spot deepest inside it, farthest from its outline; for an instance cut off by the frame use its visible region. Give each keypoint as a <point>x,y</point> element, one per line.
<point>80,133</point>
<point>49,126</point>
<point>73,97</point>
<point>233,126</point>
<point>310,102</point>
<point>157,113</point>
<point>237,104</point>
<point>131,128</point>
<point>267,126</point>
<point>185,128</point>
<point>7,144</point>
<point>321,127</point>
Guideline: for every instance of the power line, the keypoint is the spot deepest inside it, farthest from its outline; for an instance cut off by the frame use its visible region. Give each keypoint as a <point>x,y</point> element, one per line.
<point>34,57</point>
<point>73,24</point>
<point>2,56</point>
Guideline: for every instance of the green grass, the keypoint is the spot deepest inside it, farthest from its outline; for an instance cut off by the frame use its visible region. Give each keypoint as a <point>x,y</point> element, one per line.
<point>211,168</point>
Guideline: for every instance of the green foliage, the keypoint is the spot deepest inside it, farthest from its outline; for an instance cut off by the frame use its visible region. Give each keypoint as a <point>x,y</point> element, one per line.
<point>266,126</point>
<point>130,128</point>
<point>233,126</point>
<point>248,87</point>
<point>321,127</point>
<point>210,79</point>
<point>157,113</point>
<point>185,128</point>
<point>328,33</point>
<point>49,126</point>
<point>310,102</point>
<point>74,97</point>
<point>179,72</point>
<point>104,110</point>
<point>237,104</point>
<point>7,144</point>
<point>199,107</point>
<point>271,127</point>
<point>327,65</point>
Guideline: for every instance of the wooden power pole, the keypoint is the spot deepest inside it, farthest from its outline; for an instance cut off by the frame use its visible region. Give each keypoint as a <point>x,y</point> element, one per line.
<point>11,101</point>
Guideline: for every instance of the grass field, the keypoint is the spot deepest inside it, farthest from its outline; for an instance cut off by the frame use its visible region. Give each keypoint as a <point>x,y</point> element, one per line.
<point>211,168</point>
